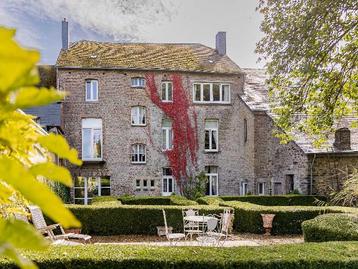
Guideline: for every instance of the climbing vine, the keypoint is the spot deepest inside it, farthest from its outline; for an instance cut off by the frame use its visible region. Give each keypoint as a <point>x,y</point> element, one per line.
<point>184,122</point>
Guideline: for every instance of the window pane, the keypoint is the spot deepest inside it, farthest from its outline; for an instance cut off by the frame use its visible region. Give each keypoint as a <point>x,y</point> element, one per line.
<point>214,184</point>
<point>214,144</point>
<point>225,93</point>
<point>212,124</point>
<point>105,182</point>
<point>105,192</point>
<point>170,91</point>
<point>206,92</point>
<point>170,185</point>
<point>134,115</point>
<point>79,193</point>
<point>92,187</point>
<point>216,92</point>
<point>166,123</point>
<point>170,134</point>
<point>164,138</point>
<point>79,181</point>
<point>94,89</point>
<point>165,185</point>
<point>197,90</point>
<point>79,201</point>
<point>167,171</point>
<point>97,144</point>
<point>137,184</point>
<point>142,113</point>
<point>88,90</point>
<point>86,144</point>
<point>145,183</point>
<point>207,139</point>
<point>152,183</point>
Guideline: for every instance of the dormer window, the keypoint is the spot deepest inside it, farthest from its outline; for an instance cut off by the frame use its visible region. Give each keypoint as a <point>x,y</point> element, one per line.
<point>91,90</point>
<point>138,82</point>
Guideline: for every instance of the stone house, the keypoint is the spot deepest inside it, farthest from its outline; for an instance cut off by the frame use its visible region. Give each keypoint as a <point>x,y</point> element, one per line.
<point>146,117</point>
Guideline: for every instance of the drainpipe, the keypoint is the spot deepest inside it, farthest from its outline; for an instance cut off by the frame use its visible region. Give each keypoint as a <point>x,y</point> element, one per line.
<point>311,174</point>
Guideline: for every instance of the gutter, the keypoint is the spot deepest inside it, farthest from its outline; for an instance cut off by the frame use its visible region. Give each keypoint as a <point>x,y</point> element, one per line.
<point>311,174</point>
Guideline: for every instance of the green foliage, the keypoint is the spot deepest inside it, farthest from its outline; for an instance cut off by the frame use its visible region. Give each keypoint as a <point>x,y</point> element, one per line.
<point>25,162</point>
<point>331,227</point>
<point>288,219</point>
<point>155,200</point>
<point>277,200</point>
<point>311,48</point>
<point>196,187</point>
<point>331,255</point>
<point>131,219</point>
<point>106,200</point>
<point>210,200</point>
<point>348,196</point>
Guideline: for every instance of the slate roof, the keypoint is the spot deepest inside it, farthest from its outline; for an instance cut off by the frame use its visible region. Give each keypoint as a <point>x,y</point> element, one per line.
<point>49,115</point>
<point>184,57</point>
<point>256,97</point>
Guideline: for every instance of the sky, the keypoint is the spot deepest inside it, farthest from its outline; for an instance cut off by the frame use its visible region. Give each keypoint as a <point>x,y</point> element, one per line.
<point>38,23</point>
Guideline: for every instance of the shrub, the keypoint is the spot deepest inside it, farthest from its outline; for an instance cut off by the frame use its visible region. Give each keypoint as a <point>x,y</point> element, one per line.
<point>106,200</point>
<point>131,219</point>
<point>156,200</point>
<point>209,200</point>
<point>288,219</point>
<point>276,200</point>
<point>331,227</point>
<point>294,256</point>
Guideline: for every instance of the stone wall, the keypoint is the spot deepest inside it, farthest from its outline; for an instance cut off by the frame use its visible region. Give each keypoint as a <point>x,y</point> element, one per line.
<point>235,157</point>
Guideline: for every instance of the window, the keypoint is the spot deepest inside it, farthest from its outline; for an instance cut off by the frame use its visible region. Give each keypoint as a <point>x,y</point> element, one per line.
<point>138,153</point>
<point>167,91</point>
<point>137,184</point>
<point>145,184</point>
<point>167,135</point>
<point>211,135</point>
<point>245,130</point>
<point>212,186</point>
<point>91,90</point>
<point>277,188</point>
<point>88,187</point>
<point>168,183</point>
<point>211,93</point>
<point>152,184</point>
<point>91,139</point>
<point>261,188</point>
<point>243,188</point>
<point>138,82</point>
<point>138,116</point>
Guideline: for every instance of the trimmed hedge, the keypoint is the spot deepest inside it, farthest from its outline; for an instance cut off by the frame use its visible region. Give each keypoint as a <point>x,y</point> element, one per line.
<point>330,255</point>
<point>209,200</point>
<point>288,219</point>
<point>132,219</point>
<point>106,200</point>
<point>156,200</point>
<point>331,227</point>
<point>277,200</point>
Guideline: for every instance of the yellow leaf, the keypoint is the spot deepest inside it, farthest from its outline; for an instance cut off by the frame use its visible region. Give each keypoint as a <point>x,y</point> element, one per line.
<point>31,96</point>
<point>9,252</point>
<point>12,172</point>
<point>58,145</point>
<point>53,172</point>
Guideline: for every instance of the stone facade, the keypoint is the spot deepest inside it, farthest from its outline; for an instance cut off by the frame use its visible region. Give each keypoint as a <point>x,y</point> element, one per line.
<point>234,160</point>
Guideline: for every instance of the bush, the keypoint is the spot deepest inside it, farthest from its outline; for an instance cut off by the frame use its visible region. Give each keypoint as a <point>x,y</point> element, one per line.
<point>277,200</point>
<point>156,200</point>
<point>209,200</point>
<point>331,227</point>
<point>288,219</point>
<point>131,219</point>
<point>294,256</point>
<point>106,200</point>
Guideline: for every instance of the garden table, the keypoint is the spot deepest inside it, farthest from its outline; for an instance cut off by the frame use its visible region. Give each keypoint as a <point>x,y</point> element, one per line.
<point>201,221</point>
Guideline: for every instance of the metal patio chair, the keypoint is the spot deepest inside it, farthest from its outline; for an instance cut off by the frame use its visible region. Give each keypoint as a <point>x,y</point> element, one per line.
<point>173,238</point>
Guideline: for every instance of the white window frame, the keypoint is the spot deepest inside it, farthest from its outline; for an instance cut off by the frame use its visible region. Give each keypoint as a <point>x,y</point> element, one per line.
<point>136,82</point>
<point>140,112</point>
<point>167,179</point>
<point>210,181</point>
<point>263,188</point>
<point>211,130</point>
<point>211,101</point>
<point>137,152</point>
<point>93,87</point>
<point>167,99</point>
<point>92,125</point>
<point>150,184</point>
<point>138,187</point>
<point>168,136</point>
<point>85,198</point>
<point>243,188</point>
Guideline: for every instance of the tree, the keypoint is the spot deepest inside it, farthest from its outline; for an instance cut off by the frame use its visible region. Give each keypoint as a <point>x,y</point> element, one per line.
<point>22,173</point>
<point>312,52</point>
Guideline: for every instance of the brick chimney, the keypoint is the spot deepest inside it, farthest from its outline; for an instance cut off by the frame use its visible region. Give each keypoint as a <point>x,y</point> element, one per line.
<point>221,43</point>
<point>342,139</point>
<point>65,35</point>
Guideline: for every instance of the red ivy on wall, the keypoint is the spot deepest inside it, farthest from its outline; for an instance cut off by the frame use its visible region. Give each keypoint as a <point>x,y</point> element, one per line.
<point>185,140</point>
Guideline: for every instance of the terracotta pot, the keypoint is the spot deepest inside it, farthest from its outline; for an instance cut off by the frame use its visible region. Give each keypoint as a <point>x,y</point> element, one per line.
<point>267,220</point>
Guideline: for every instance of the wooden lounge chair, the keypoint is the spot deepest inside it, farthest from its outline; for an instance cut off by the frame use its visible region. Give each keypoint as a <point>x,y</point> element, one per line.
<point>39,222</point>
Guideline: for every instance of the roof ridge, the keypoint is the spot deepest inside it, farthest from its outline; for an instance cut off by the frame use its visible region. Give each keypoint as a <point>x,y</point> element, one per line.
<point>138,43</point>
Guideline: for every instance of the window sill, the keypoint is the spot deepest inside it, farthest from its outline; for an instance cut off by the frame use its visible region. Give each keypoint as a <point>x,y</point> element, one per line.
<point>164,101</point>
<point>91,101</point>
<point>137,87</point>
<point>138,163</point>
<point>213,103</point>
<point>211,151</point>
<point>138,125</point>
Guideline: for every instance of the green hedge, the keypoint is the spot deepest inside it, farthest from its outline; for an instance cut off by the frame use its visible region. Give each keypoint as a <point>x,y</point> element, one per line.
<point>331,227</point>
<point>106,200</point>
<point>131,219</point>
<point>288,219</point>
<point>276,200</point>
<point>210,200</point>
<point>330,255</point>
<point>156,200</point>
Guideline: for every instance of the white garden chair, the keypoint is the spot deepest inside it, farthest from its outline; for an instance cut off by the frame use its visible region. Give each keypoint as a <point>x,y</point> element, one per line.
<point>173,238</point>
<point>211,230</point>
<point>39,222</point>
<point>190,227</point>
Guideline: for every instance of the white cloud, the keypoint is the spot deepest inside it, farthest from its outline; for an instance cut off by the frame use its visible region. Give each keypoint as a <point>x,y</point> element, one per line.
<point>115,18</point>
